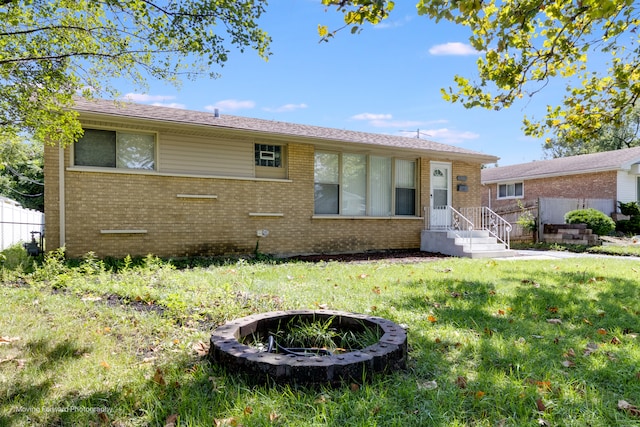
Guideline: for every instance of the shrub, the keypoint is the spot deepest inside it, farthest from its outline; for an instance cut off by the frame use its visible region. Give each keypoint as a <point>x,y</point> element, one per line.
<point>16,258</point>
<point>598,222</point>
<point>629,226</point>
<point>629,208</point>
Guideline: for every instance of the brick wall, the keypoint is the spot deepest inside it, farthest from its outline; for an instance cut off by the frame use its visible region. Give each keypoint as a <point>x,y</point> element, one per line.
<point>175,226</point>
<point>600,185</point>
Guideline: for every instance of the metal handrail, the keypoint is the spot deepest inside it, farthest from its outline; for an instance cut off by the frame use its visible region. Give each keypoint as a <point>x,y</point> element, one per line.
<point>486,219</point>
<point>457,226</point>
<point>463,222</point>
<point>497,226</point>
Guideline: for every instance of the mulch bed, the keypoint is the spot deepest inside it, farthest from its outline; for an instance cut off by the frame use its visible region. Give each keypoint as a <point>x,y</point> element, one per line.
<point>391,256</point>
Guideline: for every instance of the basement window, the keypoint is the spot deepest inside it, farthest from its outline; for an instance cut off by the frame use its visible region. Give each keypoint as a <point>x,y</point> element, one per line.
<point>268,155</point>
<point>511,191</point>
<point>115,149</point>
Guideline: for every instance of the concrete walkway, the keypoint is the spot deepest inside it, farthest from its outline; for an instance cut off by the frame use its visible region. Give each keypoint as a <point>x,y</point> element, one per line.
<point>555,255</point>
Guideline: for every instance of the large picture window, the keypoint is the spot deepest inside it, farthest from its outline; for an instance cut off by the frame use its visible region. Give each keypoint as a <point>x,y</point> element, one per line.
<point>115,149</point>
<point>510,191</point>
<point>364,185</point>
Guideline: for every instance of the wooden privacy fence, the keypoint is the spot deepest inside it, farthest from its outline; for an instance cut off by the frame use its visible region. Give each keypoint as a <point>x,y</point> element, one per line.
<point>551,210</point>
<point>17,223</point>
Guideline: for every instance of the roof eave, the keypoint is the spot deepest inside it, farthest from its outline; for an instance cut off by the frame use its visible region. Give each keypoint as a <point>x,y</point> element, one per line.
<point>551,175</point>
<point>336,143</point>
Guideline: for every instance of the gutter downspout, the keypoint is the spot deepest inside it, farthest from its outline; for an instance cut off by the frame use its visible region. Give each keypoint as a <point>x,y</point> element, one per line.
<point>61,199</point>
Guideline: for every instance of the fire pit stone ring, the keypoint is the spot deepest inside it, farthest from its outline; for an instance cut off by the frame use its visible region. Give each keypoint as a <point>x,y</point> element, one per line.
<point>388,354</point>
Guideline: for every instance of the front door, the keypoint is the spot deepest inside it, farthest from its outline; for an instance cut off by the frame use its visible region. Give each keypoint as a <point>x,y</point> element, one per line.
<point>440,195</point>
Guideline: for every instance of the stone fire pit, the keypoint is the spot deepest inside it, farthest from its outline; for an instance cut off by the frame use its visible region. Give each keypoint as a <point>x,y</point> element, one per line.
<point>388,354</point>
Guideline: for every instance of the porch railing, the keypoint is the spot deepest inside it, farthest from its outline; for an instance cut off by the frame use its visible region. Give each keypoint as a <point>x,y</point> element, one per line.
<point>465,220</point>
<point>447,218</point>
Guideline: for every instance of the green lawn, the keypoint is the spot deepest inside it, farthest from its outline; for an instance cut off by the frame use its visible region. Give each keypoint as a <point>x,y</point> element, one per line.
<point>492,343</point>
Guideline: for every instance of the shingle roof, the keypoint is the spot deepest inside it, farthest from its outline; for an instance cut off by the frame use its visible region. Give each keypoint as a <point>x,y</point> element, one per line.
<point>586,163</point>
<point>200,118</point>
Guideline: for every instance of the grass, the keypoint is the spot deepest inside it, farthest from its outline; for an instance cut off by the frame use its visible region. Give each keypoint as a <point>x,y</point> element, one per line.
<point>618,250</point>
<point>508,343</point>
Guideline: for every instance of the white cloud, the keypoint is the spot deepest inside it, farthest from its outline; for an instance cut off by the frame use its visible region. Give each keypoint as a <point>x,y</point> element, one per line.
<point>287,108</point>
<point>386,24</point>
<point>449,136</point>
<point>371,116</point>
<point>231,105</point>
<point>453,48</point>
<point>170,105</point>
<point>143,97</point>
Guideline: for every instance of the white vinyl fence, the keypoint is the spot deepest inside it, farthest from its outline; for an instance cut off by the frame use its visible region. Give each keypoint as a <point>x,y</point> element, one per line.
<point>17,223</point>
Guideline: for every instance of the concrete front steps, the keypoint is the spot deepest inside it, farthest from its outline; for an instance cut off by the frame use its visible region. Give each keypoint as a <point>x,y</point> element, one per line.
<point>482,244</point>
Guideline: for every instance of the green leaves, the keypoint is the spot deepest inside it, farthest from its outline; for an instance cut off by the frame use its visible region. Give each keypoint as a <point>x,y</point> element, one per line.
<point>527,43</point>
<point>52,51</point>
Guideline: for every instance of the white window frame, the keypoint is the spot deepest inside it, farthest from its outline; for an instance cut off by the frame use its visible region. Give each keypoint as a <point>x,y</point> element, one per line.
<point>512,185</point>
<point>368,200</point>
<point>116,167</point>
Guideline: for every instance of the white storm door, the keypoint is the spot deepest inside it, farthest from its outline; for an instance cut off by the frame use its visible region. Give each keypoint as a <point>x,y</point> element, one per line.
<point>440,179</point>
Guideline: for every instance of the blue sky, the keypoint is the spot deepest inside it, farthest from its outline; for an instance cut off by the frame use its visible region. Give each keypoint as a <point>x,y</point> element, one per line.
<point>386,79</point>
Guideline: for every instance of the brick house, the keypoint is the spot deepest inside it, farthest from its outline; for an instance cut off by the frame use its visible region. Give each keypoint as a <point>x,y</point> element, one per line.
<point>155,180</point>
<point>613,175</point>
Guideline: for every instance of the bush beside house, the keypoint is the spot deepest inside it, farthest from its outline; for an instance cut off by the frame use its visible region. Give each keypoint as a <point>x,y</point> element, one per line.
<point>631,225</point>
<point>595,220</point>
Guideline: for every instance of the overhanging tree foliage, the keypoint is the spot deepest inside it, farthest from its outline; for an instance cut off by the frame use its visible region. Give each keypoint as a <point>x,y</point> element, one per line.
<point>21,172</point>
<point>523,44</point>
<point>51,50</point>
<point>609,137</point>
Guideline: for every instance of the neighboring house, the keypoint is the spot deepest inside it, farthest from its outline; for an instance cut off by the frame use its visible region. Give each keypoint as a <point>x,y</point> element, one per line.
<point>613,175</point>
<point>155,180</point>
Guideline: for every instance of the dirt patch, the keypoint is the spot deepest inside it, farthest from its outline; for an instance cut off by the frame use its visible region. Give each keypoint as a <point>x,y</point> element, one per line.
<point>392,256</point>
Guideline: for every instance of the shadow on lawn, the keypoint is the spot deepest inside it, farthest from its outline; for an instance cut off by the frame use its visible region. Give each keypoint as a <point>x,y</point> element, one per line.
<point>495,335</point>
<point>514,335</point>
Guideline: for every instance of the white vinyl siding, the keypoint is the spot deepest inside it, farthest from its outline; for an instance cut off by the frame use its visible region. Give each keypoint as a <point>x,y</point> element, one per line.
<point>627,184</point>
<point>205,155</point>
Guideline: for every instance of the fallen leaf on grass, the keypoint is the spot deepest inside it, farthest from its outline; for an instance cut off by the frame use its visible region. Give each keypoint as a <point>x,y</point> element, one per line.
<point>623,405</point>
<point>568,364</point>
<point>540,405</point>
<point>158,377</point>
<point>543,385</point>
<point>273,417</point>
<point>105,365</point>
<point>461,382</point>
<point>432,319</point>
<point>587,321</point>
<point>201,349</point>
<point>615,341</point>
<point>479,394</point>
<point>602,331</point>
<point>8,340</point>
<point>104,419</point>
<point>591,348</point>
<point>376,290</point>
<point>171,420</point>
<point>543,422</point>
<point>226,422</point>
<point>354,387</point>
<point>554,321</point>
<point>19,362</point>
